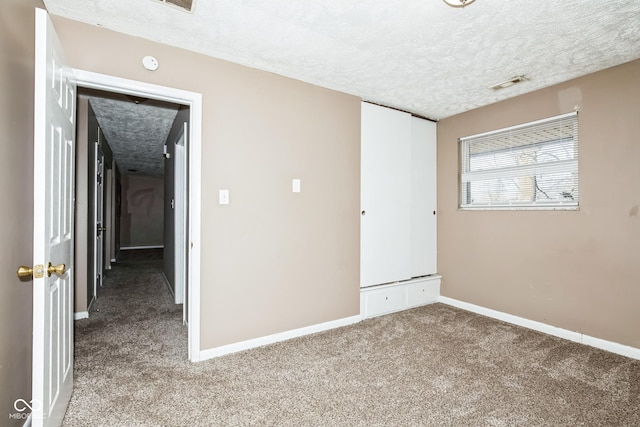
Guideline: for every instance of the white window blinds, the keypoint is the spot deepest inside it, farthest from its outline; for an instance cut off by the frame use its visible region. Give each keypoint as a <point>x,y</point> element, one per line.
<point>533,165</point>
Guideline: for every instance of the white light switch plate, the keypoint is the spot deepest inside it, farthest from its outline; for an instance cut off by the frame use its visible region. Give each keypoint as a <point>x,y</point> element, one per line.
<point>223,197</point>
<point>295,185</point>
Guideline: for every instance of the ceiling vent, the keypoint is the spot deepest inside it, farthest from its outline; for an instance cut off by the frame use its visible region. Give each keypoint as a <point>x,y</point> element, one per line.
<point>186,5</point>
<point>512,81</point>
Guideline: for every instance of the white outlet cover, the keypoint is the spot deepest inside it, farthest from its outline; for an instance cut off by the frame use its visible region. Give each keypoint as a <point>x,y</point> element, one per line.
<point>150,63</point>
<point>223,197</point>
<point>295,185</point>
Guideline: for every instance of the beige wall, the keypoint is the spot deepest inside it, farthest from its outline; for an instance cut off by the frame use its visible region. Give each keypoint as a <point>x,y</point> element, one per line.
<point>578,270</point>
<point>16,179</point>
<point>272,260</point>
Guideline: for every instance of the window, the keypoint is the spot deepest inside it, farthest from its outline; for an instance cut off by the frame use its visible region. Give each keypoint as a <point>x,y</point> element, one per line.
<point>529,166</point>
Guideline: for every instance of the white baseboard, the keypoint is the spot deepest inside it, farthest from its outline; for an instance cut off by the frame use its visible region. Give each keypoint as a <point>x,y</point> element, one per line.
<point>613,347</point>
<point>270,339</point>
<point>81,315</point>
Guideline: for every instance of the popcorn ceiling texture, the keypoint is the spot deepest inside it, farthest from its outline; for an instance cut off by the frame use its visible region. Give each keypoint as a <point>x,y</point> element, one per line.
<point>135,132</point>
<point>418,55</point>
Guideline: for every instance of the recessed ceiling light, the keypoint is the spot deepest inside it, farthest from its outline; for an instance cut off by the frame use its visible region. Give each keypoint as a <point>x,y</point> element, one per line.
<point>512,81</point>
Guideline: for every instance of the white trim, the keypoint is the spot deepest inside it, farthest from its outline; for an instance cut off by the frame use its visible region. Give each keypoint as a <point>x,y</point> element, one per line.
<point>131,248</point>
<point>282,336</point>
<point>194,232</point>
<point>166,281</point>
<point>522,125</point>
<point>613,347</point>
<point>180,218</point>
<point>104,82</point>
<point>80,315</point>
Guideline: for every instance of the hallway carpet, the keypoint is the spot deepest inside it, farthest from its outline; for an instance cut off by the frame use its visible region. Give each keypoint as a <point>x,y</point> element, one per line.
<point>431,366</point>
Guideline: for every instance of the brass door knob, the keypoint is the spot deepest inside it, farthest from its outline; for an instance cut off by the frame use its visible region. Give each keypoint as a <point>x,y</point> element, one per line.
<point>28,273</point>
<point>25,272</point>
<point>58,269</point>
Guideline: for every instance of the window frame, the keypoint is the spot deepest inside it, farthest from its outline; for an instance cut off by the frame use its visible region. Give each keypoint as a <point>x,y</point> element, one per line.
<point>571,165</point>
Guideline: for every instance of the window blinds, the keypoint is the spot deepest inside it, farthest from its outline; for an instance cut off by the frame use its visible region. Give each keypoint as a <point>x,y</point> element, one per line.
<point>533,165</point>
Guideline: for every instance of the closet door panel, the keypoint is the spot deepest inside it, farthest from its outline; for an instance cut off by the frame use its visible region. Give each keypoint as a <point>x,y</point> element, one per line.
<point>385,253</point>
<point>423,203</point>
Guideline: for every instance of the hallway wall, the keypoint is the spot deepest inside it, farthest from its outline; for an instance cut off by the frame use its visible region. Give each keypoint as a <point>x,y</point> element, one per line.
<point>88,133</point>
<point>142,217</point>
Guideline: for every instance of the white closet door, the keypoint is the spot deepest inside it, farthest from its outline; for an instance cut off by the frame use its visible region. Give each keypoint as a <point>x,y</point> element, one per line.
<point>423,203</point>
<point>385,226</point>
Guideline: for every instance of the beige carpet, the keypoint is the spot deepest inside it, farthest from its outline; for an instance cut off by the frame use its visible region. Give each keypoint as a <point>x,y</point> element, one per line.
<point>431,366</point>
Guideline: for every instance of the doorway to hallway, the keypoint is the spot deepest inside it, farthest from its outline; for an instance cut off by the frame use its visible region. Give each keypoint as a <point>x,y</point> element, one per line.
<point>131,187</point>
<point>187,138</point>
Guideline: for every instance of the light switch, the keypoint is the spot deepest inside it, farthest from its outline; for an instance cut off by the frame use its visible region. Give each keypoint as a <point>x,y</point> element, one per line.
<point>295,186</point>
<point>223,197</point>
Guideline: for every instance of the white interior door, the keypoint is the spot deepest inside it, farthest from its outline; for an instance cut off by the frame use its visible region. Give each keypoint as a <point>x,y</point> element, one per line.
<point>98,217</point>
<point>111,225</point>
<point>385,224</point>
<point>54,161</point>
<point>108,217</point>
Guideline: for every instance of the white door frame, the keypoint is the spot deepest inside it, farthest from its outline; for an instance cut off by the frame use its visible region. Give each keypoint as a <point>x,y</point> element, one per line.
<point>91,80</point>
<point>180,219</point>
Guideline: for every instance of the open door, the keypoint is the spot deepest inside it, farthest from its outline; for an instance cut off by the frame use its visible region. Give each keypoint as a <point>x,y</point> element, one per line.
<point>108,217</point>
<point>98,217</point>
<point>54,162</point>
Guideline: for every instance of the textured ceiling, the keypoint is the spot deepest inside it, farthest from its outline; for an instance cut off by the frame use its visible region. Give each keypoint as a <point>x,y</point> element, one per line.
<point>135,132</point>
<point>417,55</point>
<point>420,56</point>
